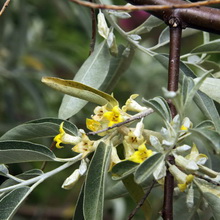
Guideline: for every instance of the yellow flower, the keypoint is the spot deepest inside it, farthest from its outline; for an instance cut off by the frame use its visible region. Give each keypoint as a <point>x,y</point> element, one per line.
<point>141,154</point>
<point>182,179</point>
<point>183,186</point>
<point>132,105</point>
<point>93,125</point>
<point>65,138</point>
<point>84,146</point>
<point>113,116</point>
<point>99,112</point>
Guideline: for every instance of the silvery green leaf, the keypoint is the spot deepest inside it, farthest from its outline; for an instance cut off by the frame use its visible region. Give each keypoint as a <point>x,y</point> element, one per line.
<point>160,171</point>
<point>211,87</point>
<point>95,183</point>
<point>119,14</point>
<point>210,47</point>
<point>92,73</point>
<point>134,37</point>
<point>3,170</point>
<point>155,143</point>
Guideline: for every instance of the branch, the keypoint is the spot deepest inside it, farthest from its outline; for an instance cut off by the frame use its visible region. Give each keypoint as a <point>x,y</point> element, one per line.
<point>144,5</point>
<point>192,14</point>
<point>133,118</point>
<point>4,6</point>
<point>201,18</point>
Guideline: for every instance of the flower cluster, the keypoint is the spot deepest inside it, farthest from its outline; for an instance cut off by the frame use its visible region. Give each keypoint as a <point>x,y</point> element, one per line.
<point>187,160</point>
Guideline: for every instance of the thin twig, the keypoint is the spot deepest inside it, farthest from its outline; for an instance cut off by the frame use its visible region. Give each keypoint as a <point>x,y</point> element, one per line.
<point>93,37</point>
<point>132,118</point>
<point>141,201</point>
<point>4,6</point>
<point>145,7</point>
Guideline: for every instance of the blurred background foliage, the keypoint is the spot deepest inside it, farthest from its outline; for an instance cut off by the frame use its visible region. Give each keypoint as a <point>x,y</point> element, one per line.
<point>52,38</point>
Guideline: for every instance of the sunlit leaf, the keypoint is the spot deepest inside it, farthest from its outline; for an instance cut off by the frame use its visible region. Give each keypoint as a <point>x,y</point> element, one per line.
<point>41,128</point>
<point>95,183</point>
<point>3,170</point>
<point>81,91</point>
<point>146,169</point>
<point>92,73</point>
<point>22,151</point>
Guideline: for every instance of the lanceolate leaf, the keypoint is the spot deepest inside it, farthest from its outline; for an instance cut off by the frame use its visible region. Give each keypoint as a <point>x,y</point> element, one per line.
<point>22,151</point>
<point>11,202</point>
<point>81,91</point>
<point>95,182</point>
<point>146,169</point>
<point>92,73</point>
<point>123,169</point>
<point>211,87</point>
<point>211,137</point>
<point>159,105</point>
<point>210,47</point>
<point>41,128</point>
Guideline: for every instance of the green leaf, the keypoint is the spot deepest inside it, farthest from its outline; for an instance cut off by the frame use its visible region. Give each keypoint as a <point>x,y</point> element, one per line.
<point>147,26</point>
<point>146,169</point>
<point>92,73</point>
<point>95,182</point>
<point>205,103</point>
<point>193,88</point>
<point>3,170</point>
<point>22,151</point>
<point>78,215</point>
<point>11,202</point>
<point>211,194</point>
<point>212,138</point>
<point>114,188</point>
<point>23,176</point>
<point>214,203</point>
<point>137,194</point>
<point>118,66</point>
<point>210,47</point>
<point>211,87</point>
<point>123,169</point>
<point>81,91</point>
<point>159,105</point>
<point>41,128</point>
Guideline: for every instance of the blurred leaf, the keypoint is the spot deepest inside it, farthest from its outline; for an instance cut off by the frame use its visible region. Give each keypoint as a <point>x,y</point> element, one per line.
<point>3,170</point>
<point>159,105</point>
<point>92,73</point>
<point>214,203</point>
<point>146,169</point>
<point>211,87</point>
<point>123,169</point>
<point>211,194</point>
<point>205,124</point>
<point>212,138</point>
<point>118,66</point>
<point>114,188</point>
<point>148,25</point>
<point>46,127</point>
<point>210,47</point>
<point>78,214</point>
<point>95,183</point>
<point>11,202</point>
<point>137,194</point>
<point>81,91</point>
<point>21,151</point>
